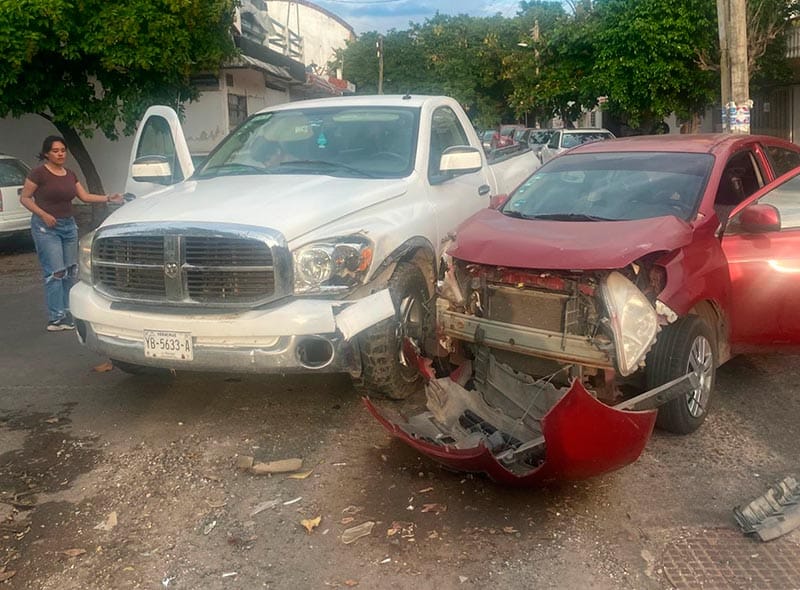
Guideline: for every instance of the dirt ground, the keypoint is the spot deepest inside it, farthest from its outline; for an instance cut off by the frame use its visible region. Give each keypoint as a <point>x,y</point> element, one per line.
<point>113,481</point>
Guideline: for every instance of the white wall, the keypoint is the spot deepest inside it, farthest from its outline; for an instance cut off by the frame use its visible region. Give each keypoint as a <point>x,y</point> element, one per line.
<point>321,33</point>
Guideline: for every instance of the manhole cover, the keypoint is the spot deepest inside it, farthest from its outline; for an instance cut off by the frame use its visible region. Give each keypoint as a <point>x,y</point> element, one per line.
<point>724,559</point>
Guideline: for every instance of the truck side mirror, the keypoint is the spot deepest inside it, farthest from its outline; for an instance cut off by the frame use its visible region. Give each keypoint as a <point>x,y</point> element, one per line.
<point>460,159</point>
<point>155,169</point>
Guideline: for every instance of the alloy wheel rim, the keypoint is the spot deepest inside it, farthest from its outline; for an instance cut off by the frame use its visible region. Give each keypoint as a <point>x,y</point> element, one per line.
<point>700,362</point>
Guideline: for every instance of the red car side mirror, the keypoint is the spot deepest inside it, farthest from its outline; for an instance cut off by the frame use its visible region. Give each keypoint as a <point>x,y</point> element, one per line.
<point>759,219</point>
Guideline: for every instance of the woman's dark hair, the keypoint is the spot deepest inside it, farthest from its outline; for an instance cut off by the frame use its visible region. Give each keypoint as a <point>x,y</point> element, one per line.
<point>47,145</point>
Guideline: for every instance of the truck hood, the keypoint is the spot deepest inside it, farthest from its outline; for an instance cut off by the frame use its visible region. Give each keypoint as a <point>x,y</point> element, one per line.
<point>291,204</point>
<point>491,238</point>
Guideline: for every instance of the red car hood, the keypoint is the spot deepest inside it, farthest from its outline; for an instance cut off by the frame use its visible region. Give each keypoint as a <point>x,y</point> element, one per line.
<point>491,238</point>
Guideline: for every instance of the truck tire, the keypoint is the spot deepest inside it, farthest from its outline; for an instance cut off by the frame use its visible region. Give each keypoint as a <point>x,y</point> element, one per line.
<point>381,346</point>
<point>686,345</point>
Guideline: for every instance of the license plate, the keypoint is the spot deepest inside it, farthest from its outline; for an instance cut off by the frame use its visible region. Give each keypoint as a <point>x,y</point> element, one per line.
<point>165,344</point>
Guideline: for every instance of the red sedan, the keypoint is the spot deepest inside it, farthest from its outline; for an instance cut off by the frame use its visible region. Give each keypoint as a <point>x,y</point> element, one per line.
<point>599,299</point>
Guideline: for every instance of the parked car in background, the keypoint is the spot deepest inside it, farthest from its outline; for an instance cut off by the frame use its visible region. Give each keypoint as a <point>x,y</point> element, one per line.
<point>601,297</point>
<point>564,139</point>
<point>14,218</point>
<point>486,139</point>
<point>538,139</point>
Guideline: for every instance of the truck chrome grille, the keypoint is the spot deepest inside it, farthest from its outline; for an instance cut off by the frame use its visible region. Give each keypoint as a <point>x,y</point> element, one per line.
<point>190,267</point>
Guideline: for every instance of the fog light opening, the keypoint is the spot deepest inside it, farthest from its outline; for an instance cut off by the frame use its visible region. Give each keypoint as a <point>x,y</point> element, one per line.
<point>315,353</point>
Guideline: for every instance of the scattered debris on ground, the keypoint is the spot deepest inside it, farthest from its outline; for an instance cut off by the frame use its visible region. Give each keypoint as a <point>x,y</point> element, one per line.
<point>772,514</point>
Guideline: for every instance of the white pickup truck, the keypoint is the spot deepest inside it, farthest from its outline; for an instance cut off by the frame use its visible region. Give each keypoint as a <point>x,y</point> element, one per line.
<point>308,240</point>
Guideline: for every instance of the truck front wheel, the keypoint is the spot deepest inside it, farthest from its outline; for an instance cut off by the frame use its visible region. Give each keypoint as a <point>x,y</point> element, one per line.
<point>384,370</point>
<point>686,346</point>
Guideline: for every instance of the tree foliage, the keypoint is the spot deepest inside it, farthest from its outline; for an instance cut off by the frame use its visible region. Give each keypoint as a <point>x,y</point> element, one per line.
<point>94,64</point>
<point>648,57</point>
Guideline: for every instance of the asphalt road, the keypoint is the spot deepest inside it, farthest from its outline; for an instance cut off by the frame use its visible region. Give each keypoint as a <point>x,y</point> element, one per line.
<point>112,481</point>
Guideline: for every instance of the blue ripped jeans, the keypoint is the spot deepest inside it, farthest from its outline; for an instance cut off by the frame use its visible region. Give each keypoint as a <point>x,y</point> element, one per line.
<point>57,248</point>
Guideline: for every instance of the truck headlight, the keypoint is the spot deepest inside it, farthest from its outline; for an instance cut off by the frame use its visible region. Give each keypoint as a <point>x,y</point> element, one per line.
<point>85,257</point>
<point>633,320</point>
<point>331,266</point>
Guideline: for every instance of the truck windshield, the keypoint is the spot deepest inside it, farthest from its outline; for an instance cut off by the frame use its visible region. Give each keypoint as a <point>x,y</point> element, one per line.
<point>345,141</point>
<point>613,187</point>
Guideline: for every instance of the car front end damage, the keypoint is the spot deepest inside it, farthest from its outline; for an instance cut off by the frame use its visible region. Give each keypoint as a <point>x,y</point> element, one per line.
<point>548,383</point>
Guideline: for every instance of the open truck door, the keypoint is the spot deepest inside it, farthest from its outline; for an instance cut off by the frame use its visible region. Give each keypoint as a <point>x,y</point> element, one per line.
<point>160,156</point>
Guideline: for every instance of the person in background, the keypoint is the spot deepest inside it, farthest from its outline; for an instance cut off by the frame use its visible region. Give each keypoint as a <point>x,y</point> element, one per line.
<point>47,193</point>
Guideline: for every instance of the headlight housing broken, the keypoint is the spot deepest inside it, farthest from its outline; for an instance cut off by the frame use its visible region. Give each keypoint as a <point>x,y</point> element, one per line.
<point>633,320</point>
<point>331,266</point>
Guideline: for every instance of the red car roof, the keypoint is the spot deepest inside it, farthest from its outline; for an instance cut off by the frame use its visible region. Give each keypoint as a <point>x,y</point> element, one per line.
<point>709,143</point>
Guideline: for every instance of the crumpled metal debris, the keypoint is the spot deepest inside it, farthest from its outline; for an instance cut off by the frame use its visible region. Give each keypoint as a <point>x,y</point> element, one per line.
<point>772,514</point>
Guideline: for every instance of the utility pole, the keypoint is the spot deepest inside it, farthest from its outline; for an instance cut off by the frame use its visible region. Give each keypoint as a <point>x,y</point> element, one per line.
<point>379,45</point>
<point>735,87</point>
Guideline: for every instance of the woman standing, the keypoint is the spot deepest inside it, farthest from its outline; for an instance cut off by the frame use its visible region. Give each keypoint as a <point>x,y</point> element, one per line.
<point>47,193</point>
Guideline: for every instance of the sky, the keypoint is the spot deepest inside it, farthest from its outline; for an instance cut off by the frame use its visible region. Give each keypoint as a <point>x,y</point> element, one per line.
<point>382,15</point>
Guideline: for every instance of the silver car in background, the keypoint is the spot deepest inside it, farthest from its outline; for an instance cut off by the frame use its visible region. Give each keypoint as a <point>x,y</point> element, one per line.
<point>14,218</point>
<point>564,139</point>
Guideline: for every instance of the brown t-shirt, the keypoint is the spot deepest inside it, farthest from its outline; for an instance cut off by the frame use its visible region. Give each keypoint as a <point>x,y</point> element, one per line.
<point>54,193</point>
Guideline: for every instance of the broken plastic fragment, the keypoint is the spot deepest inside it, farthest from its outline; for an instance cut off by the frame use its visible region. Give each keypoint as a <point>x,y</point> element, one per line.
<point>109,523</point>
<point>772,514</point>
<point>353,534</point>
<point>282,466</point>
<point>365,313</point>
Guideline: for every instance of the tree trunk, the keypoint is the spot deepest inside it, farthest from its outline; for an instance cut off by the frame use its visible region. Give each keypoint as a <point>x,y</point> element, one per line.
<point>84,160</point>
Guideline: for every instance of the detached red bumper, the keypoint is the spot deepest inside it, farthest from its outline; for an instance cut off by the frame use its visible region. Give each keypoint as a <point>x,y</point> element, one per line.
<point>582,438</point>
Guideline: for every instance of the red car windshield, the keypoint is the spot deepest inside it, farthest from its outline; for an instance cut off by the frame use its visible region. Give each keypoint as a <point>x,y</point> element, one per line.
<point>613,187</point>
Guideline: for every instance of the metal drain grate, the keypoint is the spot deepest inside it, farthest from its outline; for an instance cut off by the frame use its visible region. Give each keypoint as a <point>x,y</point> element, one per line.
<point>724,559</point>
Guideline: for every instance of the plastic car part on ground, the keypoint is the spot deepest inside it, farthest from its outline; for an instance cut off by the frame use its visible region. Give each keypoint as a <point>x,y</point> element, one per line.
<point>772,514</point>
<point>519,431</point>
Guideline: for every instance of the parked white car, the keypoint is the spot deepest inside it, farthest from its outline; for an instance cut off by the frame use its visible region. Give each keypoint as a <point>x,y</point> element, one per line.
<point>14,218</point>
<point>564,139</point>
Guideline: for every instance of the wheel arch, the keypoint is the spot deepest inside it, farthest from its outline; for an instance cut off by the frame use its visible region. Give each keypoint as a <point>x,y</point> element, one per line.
<point>417,250</point>
<point>711,313</point>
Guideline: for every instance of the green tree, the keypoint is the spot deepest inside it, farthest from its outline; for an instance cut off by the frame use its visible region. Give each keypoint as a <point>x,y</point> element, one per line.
<point>647,57</point>
<point>460,56</point>
<point>92,64</point>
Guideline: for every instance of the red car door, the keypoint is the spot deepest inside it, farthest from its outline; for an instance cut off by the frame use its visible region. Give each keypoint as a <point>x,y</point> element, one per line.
<point>762,246</point>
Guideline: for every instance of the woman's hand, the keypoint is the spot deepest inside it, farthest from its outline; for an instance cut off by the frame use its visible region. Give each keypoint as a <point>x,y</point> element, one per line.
<point>48,219</point>
<point>115,198</point>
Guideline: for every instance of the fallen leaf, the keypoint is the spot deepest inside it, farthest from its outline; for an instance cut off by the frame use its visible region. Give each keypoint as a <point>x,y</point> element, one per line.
<point>73,552</point>
<point>104,368</point>
<point>311,523</point>
<point>347,520</point>
<point>301,475</point>
<point>109,523</point>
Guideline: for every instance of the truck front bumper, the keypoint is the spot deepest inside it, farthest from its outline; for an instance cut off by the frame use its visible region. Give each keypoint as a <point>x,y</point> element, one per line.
<point>298,336</point>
